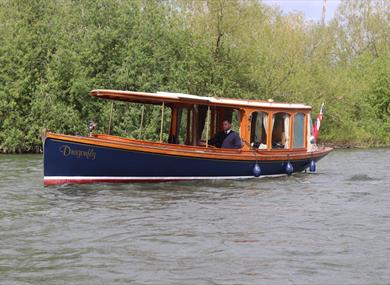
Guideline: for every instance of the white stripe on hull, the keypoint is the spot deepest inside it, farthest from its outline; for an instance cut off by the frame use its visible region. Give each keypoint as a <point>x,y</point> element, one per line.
<point>148,178</point>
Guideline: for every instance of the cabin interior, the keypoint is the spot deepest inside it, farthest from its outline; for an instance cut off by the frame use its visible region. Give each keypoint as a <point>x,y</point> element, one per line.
<point>195,125</point>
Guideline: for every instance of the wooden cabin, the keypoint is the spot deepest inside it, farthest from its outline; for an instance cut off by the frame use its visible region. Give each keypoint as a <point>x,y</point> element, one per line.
<point>262,125</point>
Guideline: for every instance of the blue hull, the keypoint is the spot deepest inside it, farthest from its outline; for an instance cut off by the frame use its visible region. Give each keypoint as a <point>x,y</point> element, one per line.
<point>64,160</point>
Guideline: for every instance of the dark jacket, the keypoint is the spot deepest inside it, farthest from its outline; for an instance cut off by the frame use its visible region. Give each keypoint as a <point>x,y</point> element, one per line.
<point>223,140</point>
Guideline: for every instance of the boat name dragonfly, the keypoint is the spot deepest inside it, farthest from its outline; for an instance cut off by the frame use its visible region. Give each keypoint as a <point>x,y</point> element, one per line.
<point>68,151</point>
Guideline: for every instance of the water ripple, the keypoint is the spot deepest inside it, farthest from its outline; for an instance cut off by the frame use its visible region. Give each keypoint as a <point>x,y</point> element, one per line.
<point>332,227</point>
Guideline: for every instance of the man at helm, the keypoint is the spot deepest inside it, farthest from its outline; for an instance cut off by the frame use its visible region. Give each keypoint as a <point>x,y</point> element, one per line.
<point>227,138</point>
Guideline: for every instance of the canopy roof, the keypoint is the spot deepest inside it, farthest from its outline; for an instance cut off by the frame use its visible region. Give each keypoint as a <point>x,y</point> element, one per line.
<point>160,97</point>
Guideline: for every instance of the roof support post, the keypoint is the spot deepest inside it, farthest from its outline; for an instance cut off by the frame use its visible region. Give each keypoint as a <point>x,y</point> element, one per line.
<point>207,126</point>
<point>173,136</point>
<point>142,122</point>
<point>109,123</point>
<point>195,116</point>
<point>212,122</point>
<point>188,131</point>
<point>162,121</point>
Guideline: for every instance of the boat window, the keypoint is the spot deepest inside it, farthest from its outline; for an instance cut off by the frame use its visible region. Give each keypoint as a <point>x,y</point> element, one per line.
<point>236,119</point>
<point>189,125</point>
<point>259,123</point>
<point>201,123</point>
<point>216,118</point>
<point>185,126</point>
<point>180,130</point>
<point>299,140</point>
<point>281,131</point>
<point>162,113</point>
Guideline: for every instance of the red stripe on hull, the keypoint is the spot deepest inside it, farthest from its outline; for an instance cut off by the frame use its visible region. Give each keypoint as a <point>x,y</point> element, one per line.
<point>48,182</point>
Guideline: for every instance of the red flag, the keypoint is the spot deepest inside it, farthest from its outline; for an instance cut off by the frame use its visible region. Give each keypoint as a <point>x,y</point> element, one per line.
<point>317,124</point>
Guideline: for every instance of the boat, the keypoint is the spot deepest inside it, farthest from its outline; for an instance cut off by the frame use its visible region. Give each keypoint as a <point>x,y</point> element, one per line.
<point>277,139</point>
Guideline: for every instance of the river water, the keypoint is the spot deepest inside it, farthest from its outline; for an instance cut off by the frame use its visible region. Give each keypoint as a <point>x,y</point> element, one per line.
<point>332,227</point>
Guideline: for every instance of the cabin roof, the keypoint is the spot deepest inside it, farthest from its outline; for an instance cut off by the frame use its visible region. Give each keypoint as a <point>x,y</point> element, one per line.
<point>167,97</point>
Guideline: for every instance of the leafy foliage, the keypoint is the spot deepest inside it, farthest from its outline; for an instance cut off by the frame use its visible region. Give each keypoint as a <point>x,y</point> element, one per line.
<point>52,53</point>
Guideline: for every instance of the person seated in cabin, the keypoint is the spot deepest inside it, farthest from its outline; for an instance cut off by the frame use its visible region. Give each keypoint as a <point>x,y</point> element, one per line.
<point>227,138</point>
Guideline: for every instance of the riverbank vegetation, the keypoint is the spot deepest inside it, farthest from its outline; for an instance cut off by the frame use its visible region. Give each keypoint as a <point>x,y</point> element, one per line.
<point>52,53</point>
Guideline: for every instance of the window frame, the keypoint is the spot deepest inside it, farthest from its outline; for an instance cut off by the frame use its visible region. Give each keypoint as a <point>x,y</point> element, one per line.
<point>271,133</point>
<point>266,128</point>
<point>304,133</point>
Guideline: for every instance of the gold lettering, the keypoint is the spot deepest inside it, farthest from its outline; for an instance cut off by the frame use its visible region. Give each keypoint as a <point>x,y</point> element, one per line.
<point>66,150</point>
